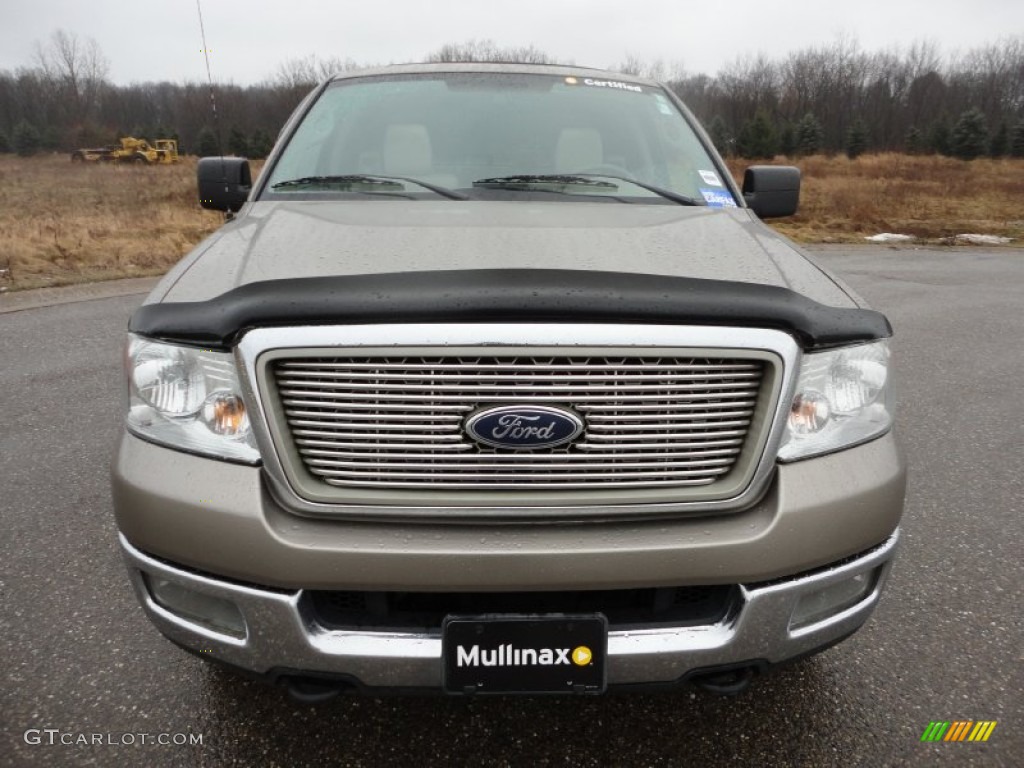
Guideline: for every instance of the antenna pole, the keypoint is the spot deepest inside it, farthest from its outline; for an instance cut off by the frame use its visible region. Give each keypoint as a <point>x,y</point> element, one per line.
<point>209,78</point>
<point>213,98</point>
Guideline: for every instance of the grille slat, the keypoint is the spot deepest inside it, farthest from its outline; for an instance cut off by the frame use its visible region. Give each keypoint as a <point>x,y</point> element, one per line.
<point>331,424</point>
<point>720,419</point>
<point>522,460</point>
<point>666,408</point>
<point>461,483</point>
<point>335,445</point>
<point>302,377</point>
<point>507,394</point>
<point>329,448</point>
<point>513,478</point>
<point>318,435</point>
<point>355,439</point>
<point>596,385</point>
<point>397,422</point>
<point>676,437</point>
<point>583,365</point>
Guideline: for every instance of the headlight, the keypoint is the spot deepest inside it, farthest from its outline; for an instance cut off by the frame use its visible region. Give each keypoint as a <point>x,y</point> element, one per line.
<point>187,398</point>
<point>843,397</point>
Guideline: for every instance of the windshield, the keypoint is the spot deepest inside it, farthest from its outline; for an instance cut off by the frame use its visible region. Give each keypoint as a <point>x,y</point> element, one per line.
<point>497,136</point>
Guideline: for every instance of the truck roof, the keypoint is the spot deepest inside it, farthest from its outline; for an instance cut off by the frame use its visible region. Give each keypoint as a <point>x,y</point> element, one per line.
<point>565,70</point>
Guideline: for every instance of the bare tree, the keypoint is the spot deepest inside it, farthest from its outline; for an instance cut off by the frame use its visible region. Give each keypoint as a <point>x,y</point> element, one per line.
<point>656,69</point>
<point>307,71</point>
<point>631,65</point>
<point>488,51</point>
<point>76,70</point>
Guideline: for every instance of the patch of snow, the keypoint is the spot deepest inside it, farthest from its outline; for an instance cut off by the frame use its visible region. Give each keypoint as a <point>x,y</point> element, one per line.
<point>984,239</point>
<point>889,237</point>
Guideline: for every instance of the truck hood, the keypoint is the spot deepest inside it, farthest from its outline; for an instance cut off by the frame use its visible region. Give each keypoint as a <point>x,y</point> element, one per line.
<point>309,239</point>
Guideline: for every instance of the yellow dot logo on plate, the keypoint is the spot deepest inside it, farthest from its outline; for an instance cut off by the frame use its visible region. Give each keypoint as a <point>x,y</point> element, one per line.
<point>581,656</point>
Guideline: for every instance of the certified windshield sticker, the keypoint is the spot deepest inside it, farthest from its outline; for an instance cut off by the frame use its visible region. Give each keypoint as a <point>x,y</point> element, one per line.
<point>717,198</point>
<point>612,84</point>
<point>710,177</point>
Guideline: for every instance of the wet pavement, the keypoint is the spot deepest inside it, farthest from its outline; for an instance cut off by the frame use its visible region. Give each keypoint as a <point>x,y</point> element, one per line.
<point>81,663</point>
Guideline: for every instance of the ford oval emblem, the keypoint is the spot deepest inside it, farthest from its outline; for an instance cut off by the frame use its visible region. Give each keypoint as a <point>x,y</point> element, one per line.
<point>524,427</point>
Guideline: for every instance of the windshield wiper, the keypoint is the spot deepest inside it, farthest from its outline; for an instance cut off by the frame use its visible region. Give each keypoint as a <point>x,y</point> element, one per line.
<point>668,194</point>
<point>383,183</point>
<point>588,179</point>
<point>529,179</point>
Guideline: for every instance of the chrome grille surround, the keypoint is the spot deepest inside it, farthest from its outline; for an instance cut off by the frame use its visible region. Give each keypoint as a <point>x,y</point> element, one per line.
<point>667,409</point>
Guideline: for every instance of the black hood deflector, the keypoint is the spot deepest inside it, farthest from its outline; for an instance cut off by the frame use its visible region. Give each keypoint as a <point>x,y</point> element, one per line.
<point>505,295</point>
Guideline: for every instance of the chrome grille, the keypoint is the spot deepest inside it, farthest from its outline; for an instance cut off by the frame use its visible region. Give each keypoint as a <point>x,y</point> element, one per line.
<point>394,422</point>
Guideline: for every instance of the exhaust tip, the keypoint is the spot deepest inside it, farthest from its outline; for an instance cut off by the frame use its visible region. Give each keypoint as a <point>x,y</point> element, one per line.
<point>727,682</point>
<point>311,690</point>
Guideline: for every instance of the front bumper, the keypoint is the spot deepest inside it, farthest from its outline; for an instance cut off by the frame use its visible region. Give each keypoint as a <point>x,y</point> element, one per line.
<point>280,635</point>
<point>221,518</point>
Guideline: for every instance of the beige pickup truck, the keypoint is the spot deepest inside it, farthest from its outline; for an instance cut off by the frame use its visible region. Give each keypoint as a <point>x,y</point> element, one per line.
<point>495,383</point>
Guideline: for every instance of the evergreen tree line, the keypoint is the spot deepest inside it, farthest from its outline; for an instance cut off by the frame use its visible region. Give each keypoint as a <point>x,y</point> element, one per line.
<point>831,98</point>
<point>837,98</point>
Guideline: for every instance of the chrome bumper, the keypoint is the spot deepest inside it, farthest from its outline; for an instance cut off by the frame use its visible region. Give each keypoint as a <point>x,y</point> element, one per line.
<point>280,636</point>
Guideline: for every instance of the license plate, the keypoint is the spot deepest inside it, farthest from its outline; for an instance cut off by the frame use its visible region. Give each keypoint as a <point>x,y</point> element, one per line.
<point>525,653</point>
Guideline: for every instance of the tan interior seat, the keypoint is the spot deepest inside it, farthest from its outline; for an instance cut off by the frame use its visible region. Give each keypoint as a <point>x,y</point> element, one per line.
<point>578,149</point>
<point>408,152</point>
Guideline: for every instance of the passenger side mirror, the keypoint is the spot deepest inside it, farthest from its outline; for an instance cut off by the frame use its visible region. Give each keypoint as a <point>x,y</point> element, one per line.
<point>224,182</point>
<point>772,190</point>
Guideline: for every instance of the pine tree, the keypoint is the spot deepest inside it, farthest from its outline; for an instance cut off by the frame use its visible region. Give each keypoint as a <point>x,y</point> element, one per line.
<point>1000,143</point>
<point>787,139</point>
<point>91,135</point>
<point>260,144</point>
<point>25,139</point>
<point>720,135</point>
<point>938,137</point>
<point>809,135</point>
<point>5,144</point>
<point>856,140</point>
<point>970,135</point>
<point>207,144</point>
<point>237,143</point>
<point>757,139</point>
<point>50,138</point>
<point>913,142</point>
<point>1017,140</point>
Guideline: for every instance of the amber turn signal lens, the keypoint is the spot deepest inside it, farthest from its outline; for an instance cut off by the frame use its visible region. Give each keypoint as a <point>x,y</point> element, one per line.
<point>808,414</point>
<point>225,414</point>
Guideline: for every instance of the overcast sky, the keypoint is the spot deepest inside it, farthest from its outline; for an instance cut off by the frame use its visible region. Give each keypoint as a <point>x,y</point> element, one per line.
<point>160,39</point>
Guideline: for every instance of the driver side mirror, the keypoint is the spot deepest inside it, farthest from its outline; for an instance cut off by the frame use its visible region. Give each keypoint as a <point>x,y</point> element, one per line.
<point>772,190</point>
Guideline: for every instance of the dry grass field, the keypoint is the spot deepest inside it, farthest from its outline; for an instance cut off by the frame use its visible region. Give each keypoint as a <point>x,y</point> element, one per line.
<point>62,223</point>
<point>932,198</point>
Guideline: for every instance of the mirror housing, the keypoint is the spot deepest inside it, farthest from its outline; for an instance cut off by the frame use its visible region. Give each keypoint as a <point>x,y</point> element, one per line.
<point>772,190</point>
<point>224,182</point>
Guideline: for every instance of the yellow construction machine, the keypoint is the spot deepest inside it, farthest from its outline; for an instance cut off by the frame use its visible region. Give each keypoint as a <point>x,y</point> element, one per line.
<point>131,150</point>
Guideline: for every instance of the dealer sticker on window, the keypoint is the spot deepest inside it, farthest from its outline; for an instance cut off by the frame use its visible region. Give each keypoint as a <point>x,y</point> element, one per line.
<point>710,177</point>
<point>717,198</point>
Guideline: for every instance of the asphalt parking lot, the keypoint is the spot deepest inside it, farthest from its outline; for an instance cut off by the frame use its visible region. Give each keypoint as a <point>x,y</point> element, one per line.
<point>947,642</point>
